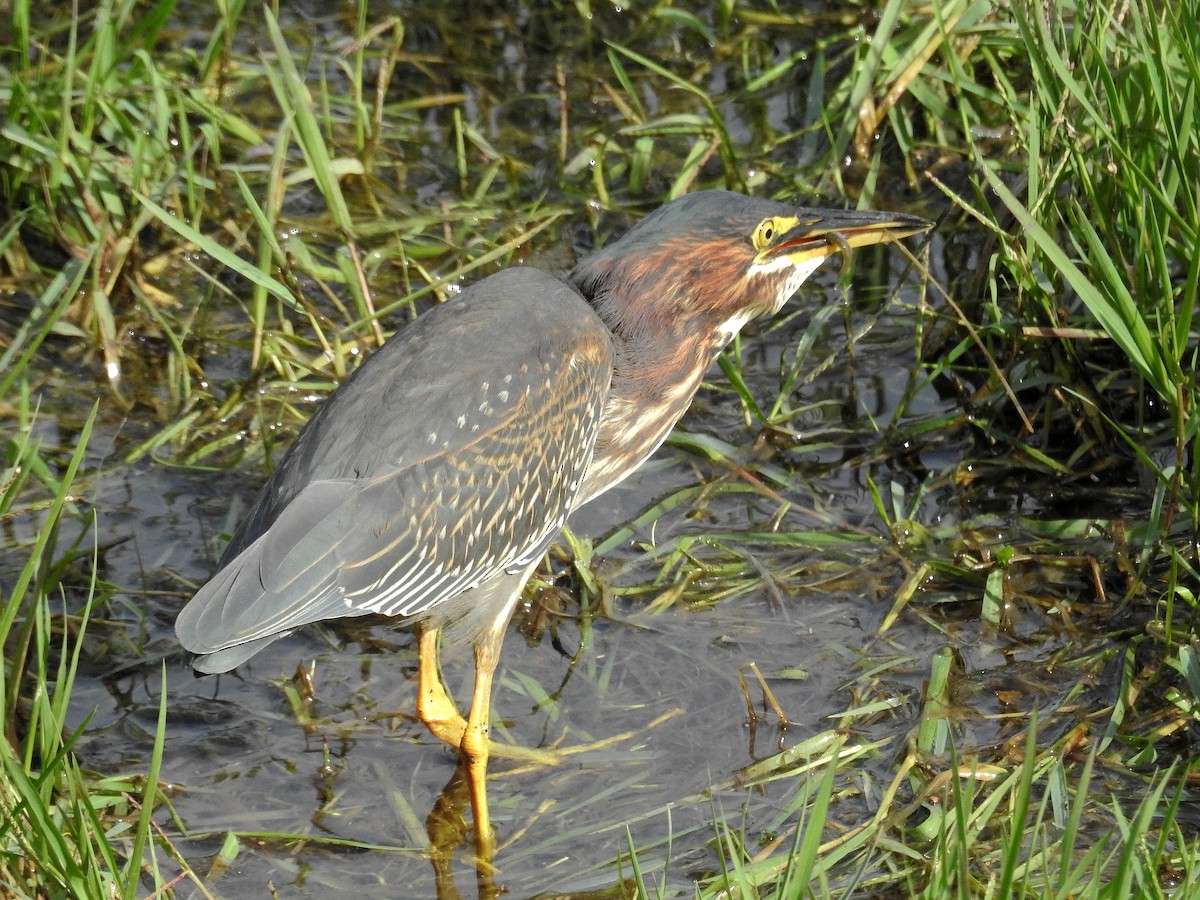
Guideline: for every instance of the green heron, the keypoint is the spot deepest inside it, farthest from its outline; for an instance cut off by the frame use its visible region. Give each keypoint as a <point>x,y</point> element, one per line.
<point>431,483</point>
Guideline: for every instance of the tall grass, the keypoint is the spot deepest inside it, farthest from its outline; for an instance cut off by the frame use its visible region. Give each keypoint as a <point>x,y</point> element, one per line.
<point>92,124</point>
<point>63,831</point>
<point>1103,193</point>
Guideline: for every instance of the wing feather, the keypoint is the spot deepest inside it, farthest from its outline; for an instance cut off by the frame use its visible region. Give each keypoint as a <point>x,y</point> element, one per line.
<point>407,494</point>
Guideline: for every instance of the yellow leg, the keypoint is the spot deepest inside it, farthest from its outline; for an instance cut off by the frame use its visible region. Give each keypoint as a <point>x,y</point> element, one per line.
<point>474,746</point>
<point>434,706</point>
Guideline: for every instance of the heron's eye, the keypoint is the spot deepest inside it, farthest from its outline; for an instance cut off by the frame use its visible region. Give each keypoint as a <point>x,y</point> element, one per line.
<point>765,233</point>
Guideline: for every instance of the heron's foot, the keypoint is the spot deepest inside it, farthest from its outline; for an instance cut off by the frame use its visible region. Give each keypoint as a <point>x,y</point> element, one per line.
<point>449,726</point>
<point>556,756</point>
<point>534,755</point>
<point>440,715</point>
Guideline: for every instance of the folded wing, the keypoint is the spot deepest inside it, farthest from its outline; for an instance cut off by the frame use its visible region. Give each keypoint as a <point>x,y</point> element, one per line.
<point>418,480</point>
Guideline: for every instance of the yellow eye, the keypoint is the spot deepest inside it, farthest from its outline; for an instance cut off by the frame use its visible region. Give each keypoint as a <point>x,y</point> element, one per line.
<point>766,232</point>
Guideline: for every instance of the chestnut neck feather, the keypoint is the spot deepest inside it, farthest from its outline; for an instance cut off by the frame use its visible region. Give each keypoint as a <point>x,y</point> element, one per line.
<point>665,311</point>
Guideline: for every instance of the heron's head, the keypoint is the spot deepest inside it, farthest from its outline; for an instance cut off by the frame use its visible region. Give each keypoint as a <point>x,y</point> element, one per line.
<point>709,262</point>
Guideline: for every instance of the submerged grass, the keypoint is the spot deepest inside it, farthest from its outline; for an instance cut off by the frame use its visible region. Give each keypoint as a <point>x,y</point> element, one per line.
<point>271,213</point>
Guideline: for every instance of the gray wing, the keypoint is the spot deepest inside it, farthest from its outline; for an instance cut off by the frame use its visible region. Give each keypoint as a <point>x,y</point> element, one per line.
<point>420,478</point>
